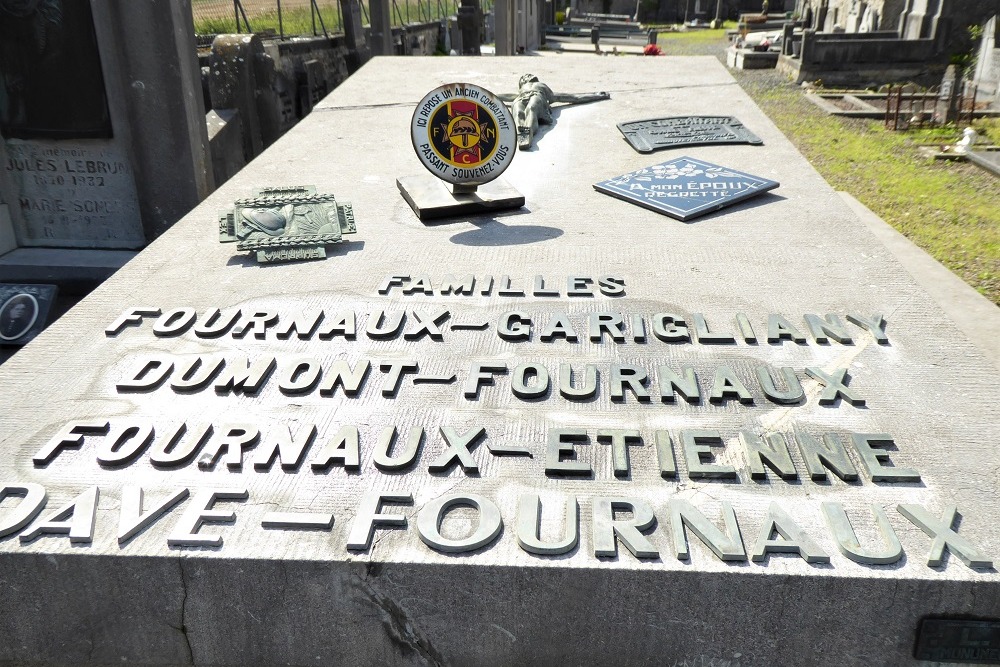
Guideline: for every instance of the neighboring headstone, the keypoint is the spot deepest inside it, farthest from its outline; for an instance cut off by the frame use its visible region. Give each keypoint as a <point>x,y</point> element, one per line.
<point>354,35</point>
<point>287,94</point>
<point>105,147</point>
<point>73,182</point>
<point>505,27</point>
<point>24,311</point>
<point>50,71</point>
<point>314,85</point>
<point>7,239</point>
<point>75,193</point>
<point>489,32</point>
<point>918,20</point>
<point>949,96</point>
<point>242,78</point>
<point>225,136</point>
<point>453,36</point>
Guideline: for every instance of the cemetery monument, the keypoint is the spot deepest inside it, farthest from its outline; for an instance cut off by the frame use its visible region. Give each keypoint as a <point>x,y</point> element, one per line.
<point>574,432</point>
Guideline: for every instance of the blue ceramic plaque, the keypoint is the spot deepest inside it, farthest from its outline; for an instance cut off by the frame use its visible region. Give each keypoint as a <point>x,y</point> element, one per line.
<point>685,188</point>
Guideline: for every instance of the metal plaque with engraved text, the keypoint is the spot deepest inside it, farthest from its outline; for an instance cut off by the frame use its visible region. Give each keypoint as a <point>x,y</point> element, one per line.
<point>654,134</point>
<point>958,640</point>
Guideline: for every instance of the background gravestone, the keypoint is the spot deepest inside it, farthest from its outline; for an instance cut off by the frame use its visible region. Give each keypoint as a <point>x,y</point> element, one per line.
<point>104,147</point>
<point>74,185</point>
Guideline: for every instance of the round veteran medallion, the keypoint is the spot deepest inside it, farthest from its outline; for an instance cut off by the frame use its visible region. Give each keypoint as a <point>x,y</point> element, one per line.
<point>463,134</point>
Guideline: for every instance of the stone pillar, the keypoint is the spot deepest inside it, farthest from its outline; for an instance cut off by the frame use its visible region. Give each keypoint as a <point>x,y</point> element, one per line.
<point>469,20</point>
<point>150,66</point>
<point>10,210</point>
<point>504,12</point>
<point>382,43</point>
<point>354,35</point>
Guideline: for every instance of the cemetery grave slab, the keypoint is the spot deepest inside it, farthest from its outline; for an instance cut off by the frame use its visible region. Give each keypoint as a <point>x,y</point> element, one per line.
<point>578,433</point>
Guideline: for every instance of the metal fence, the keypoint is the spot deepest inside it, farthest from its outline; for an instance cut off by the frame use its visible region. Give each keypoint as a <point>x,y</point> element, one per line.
<point>287,18</point>
<point>908,106</point>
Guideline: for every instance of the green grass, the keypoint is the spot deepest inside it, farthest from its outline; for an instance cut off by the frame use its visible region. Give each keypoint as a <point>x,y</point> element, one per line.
<point>950,209</point>
<point>298,20</point>
<point>684,39</point>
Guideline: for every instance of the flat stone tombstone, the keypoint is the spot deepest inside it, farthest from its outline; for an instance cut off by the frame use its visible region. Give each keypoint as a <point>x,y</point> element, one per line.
<point>579,434</point>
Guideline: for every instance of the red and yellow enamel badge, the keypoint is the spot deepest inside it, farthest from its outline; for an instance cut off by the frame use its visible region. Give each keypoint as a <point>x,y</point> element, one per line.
<point>463,134</point>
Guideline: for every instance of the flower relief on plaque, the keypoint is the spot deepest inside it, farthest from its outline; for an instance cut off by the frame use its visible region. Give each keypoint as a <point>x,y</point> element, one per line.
<point>287,223</point>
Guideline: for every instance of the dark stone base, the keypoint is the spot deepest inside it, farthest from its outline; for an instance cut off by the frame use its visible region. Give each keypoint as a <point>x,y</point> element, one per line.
<point>432,198</point>
<point>75,271</point>
<point>113,610</point>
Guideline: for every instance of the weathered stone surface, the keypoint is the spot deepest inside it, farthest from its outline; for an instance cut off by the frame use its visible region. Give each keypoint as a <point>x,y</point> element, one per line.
<point>408,596</point>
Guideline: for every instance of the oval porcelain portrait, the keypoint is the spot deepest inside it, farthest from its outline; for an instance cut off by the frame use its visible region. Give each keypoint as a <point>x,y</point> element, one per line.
<point>17,316</point>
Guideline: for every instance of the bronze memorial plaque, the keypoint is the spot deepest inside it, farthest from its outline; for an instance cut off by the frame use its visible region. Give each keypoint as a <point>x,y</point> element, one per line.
<point>287,223</point>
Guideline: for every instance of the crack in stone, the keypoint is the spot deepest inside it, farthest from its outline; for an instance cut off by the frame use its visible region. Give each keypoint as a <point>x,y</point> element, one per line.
<point>182,628</point>
<point>399,627</point>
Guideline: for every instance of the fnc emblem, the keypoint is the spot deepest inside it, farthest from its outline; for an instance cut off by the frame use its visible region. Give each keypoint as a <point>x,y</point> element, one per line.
<point>463,134</point>
<point>460,136</point>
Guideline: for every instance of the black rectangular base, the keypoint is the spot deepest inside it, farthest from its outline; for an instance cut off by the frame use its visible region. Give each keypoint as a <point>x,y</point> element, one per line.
<point>432,198</point>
